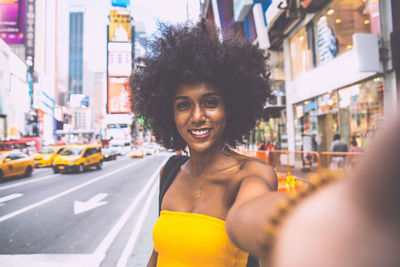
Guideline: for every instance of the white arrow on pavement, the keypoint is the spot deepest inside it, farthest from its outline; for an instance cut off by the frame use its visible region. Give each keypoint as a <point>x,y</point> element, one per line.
<point>92,203</point>
<point>9,197</point>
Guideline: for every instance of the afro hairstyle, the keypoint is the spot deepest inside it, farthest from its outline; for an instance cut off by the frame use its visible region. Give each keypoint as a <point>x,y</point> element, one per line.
<point>187,54</point>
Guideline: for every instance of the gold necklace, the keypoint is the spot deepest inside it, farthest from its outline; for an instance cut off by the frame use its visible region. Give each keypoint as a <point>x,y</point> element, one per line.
<point>199,192</point>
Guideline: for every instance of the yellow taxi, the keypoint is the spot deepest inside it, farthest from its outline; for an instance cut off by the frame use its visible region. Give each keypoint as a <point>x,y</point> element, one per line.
<point>45,156</point>
<point>136,153</point>
<point>15,163</point>
<point>78,158</point>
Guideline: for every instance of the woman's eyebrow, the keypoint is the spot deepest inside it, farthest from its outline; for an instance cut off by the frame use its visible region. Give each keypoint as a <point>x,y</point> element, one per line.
<point>212,94</point>
<point>181,97</point>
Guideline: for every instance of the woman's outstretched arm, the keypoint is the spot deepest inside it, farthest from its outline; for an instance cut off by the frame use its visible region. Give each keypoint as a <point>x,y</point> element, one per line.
<point>246,218</point>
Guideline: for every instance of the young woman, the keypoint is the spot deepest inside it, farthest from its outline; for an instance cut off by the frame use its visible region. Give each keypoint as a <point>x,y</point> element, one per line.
<point>206,94</point>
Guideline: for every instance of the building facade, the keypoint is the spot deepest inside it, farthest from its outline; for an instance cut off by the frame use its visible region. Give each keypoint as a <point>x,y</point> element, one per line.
<point>75,60</point>
<point>338,72</point>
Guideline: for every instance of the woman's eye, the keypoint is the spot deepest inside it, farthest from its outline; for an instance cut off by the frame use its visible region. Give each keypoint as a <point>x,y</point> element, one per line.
<point>212,103</point>
<point>182,105</point>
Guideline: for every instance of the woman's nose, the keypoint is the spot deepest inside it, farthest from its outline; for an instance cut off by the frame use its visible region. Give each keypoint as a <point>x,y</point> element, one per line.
<point>198,114</point>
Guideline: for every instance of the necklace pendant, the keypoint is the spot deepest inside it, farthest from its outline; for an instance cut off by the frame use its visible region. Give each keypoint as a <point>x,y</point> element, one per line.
<point>199,193</point>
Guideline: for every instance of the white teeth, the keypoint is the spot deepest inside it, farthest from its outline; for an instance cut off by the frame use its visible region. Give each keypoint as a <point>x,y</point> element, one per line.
<point>199,132</point>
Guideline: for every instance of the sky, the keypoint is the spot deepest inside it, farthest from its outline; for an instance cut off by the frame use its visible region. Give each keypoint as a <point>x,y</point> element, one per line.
<point>172,11</point>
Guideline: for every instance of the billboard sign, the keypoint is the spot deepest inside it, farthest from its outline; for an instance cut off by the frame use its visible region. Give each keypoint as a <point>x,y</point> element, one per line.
<point>12,21</point>
<point>120,3</point>
<point>30,33</point>
<point>241,8</point>
<point>119,59</point>
<point>119,29</point>
<point>118,95</point>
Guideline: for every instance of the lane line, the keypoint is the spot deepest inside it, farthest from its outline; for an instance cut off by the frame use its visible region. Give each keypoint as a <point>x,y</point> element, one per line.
<point>37,204</point>
<point>50,260</point>
<point>123,260</point>
<point>29,182</point>
<point>9,197</point>
<point>107,241</point>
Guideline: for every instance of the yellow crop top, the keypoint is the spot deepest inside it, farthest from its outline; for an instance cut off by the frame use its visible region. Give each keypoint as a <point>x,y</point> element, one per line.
<point>195,240</point>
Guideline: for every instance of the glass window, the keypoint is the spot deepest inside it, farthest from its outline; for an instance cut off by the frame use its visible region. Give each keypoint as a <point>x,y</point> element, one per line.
<point>336,24</point>
<point>46,150</point>
<point>71,152</point>
<point>361,111</point>
<point>305,121</point>
<point>301,53</point>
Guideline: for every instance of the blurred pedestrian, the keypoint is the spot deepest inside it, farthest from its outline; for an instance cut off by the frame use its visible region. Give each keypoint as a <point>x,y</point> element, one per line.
<point>262,146</point>
<point>195,89</point>
<point>338,161</point>
<point>354,148</point>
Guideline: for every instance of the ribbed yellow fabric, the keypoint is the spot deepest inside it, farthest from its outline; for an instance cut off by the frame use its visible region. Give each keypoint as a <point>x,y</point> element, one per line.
<point>195,240</point>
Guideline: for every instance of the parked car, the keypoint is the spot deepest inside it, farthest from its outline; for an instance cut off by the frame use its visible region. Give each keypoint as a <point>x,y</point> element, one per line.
<point>78,158</point>
<point>109,154</point>
<point>15,163</point>
<point>45,156</point>
<point>136,153</point>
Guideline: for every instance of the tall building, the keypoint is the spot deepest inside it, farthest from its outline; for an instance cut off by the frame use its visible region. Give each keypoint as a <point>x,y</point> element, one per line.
<point>119,118</point>
<point>75,66</point>
<point>45,67</point>
<point>140,39</point>
<point>81,65</point>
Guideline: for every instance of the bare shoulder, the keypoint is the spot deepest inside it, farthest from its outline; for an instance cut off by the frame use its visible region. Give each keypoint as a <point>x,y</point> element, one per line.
<point>251,167</point>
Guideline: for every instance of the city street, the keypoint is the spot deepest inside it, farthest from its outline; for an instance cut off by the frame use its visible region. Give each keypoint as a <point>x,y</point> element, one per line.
<point>93,218</point>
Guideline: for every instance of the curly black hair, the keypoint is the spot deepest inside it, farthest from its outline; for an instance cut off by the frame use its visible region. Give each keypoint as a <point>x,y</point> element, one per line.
<point>189,54</point>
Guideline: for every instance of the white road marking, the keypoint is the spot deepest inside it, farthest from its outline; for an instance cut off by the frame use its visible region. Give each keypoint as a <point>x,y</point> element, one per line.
<point>29,182</point>
<point>50,260</point>
<point>44,201</point>
<point>107,241</point>
<point>9,197</point>
<point>123,260</point>
<point>94,202</point>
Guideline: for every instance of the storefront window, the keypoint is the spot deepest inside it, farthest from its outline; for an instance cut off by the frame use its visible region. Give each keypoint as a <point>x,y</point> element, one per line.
<point>306,122</point>
<point>361,111</point>
<point>272,131</point>
<point>301,53</point>
<point>335,25</point>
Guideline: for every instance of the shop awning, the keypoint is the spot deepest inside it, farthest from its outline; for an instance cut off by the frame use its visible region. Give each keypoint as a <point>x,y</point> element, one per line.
<point>273,111</point>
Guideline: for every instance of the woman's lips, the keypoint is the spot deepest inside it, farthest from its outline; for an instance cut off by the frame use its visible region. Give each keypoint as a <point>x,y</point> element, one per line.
<point>200,133</point>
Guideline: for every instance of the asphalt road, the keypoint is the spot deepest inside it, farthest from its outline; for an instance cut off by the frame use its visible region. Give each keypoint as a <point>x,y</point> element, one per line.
<point>95,218</point>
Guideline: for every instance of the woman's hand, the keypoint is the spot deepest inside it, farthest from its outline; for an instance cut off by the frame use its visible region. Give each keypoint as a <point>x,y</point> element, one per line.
<point>355,222</point>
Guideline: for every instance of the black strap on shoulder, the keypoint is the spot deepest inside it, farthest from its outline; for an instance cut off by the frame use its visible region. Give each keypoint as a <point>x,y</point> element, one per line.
<point>169,173</point>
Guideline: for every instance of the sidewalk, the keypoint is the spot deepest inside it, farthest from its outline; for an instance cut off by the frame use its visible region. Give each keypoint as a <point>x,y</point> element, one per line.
<point>144,244</point>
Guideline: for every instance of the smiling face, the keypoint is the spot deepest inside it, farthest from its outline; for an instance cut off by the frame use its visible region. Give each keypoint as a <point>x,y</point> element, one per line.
<point>199,113</point>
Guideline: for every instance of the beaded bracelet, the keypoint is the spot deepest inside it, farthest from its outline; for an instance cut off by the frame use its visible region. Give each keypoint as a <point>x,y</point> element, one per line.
<point>290,201</point>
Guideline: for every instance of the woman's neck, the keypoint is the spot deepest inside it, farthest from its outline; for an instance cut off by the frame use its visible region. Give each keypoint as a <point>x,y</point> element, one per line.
<point>202,162</point>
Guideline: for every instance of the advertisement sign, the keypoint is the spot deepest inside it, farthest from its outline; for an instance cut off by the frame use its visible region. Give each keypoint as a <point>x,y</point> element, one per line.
<point>327,46</point>
<point>120,26</point>
<point>241,8</point>
<point>12,21</point>
<point>118,95</point>
<point>121,3</point>
<point>30,33</point>
<point>119,59</point>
